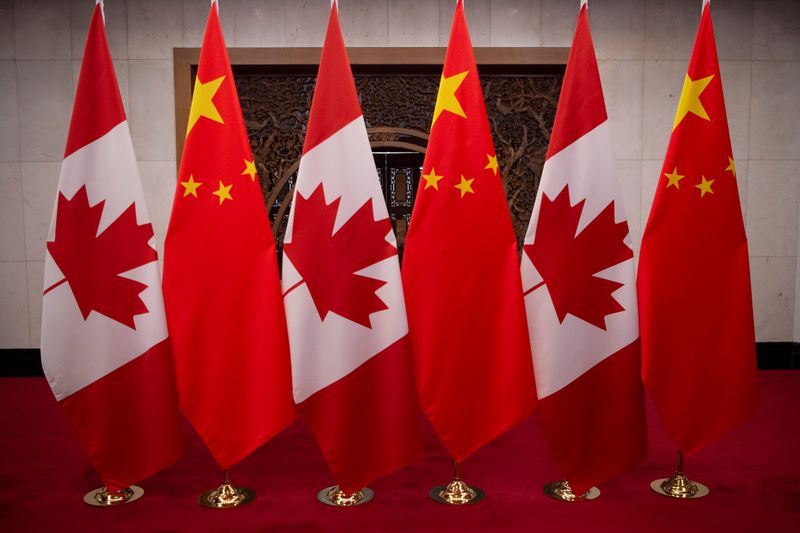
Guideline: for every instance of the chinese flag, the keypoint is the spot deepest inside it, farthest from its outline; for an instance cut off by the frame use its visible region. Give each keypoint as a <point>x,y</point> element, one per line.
<point>461,275</point>
<point>105,347</point>
<point>351,360</point>
<point>579,281</point>
<point>221,283</point>
<point>695,307</point>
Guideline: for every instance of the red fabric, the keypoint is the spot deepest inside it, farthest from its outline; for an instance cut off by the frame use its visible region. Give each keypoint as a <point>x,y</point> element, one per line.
<point>461,277</point>
<point>596,425</point>
<point>127,419</point>
<point>367,422</point>
<point>753,473</point>
<point>98,105</point>
<point>335,103</point>
<point>581,106</point>
<point>695,304</point>
<point>221,285</point>
<point>125,409</point>
<point>349,419</point>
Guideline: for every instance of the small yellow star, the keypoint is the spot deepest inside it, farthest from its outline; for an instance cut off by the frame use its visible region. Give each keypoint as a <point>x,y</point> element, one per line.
<point>250,169</point>
<point>705,186</point>
<point>202,105</point>
<point>465,186</point>
<point>432,180</point>
<point>674,178</point>
<point>690,99</point>
<point>446,99</point>
<point>731,166</point>
<point>190,187</point>
<point>492,164</point>
<point>224,192</point>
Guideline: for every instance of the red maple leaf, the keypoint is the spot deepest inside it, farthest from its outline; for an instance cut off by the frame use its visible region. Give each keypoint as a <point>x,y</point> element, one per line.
<point>567,262</point>
<point>91,263</point>
<point>328,261</point>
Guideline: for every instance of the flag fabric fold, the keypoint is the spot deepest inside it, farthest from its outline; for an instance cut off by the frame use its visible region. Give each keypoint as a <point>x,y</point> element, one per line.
<point>695,304</point>
<point>461,273</point>
<point>351,366</point>
<point>105,347</point>
<point>580,294</point>
<point>221,283</point>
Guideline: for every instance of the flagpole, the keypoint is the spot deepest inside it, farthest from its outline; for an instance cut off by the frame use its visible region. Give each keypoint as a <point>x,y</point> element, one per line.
<point>457,492</point>
<point>679,486</point>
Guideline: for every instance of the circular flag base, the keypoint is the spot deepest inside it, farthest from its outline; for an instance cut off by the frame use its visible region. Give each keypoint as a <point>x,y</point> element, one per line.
<point>335,497</point>
<point>102,498</point>
<point>226,496</point>
<point>456,493</point>
<point>679,486</point>
<point>560,490</point>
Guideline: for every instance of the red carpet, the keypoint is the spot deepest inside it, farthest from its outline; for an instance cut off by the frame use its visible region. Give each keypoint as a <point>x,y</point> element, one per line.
<point>753,472</point>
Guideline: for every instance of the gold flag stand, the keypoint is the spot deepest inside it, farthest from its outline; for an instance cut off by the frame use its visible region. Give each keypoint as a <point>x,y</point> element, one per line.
<point>102,498</point>
<point>679,486</point>
<point>226,495</point>
<point>338,498</point>
<point>456,492</point>
<point>560,490</point>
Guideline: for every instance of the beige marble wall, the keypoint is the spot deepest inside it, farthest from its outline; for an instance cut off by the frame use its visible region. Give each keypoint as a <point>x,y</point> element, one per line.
<point>643,47</point>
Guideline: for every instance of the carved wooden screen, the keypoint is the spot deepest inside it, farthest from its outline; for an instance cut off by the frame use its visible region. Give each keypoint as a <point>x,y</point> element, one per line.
<point>397,88</point>
<point>398,109</point>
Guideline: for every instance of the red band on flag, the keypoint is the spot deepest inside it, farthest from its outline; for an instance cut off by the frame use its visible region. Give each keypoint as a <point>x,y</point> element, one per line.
<point>349,419</point>
<point>110,414</point>
<point>335,103</point>
<point>98,105</point>
<point>604,424</point>
<point>581,107</point>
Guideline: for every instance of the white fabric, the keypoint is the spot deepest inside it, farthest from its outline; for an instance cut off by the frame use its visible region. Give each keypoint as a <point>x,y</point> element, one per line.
<point>324,351</point>
<point>564,351</point>
<point>77,352</point>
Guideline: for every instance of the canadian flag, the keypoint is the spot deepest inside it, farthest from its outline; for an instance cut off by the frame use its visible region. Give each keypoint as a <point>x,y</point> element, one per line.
<point>580,292</point>
<point>105,348</point>
<point>348,334</point>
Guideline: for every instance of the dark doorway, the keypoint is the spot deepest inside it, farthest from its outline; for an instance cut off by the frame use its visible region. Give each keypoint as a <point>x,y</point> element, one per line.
<point>399,174</point>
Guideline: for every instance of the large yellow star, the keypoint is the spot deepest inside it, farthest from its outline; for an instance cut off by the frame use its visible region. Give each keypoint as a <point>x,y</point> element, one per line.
<point>431,179</point>
<point>190,187</point>
<point>224,192</point>
<point>465,186</point>
<point>731,166</point>
<point>492,164</point>
<point>446,99</point>
<point>250,169</point>
<point>202,106</point>
<point>690,99</point>
<point>705,186</point>
<point>674,178</point>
